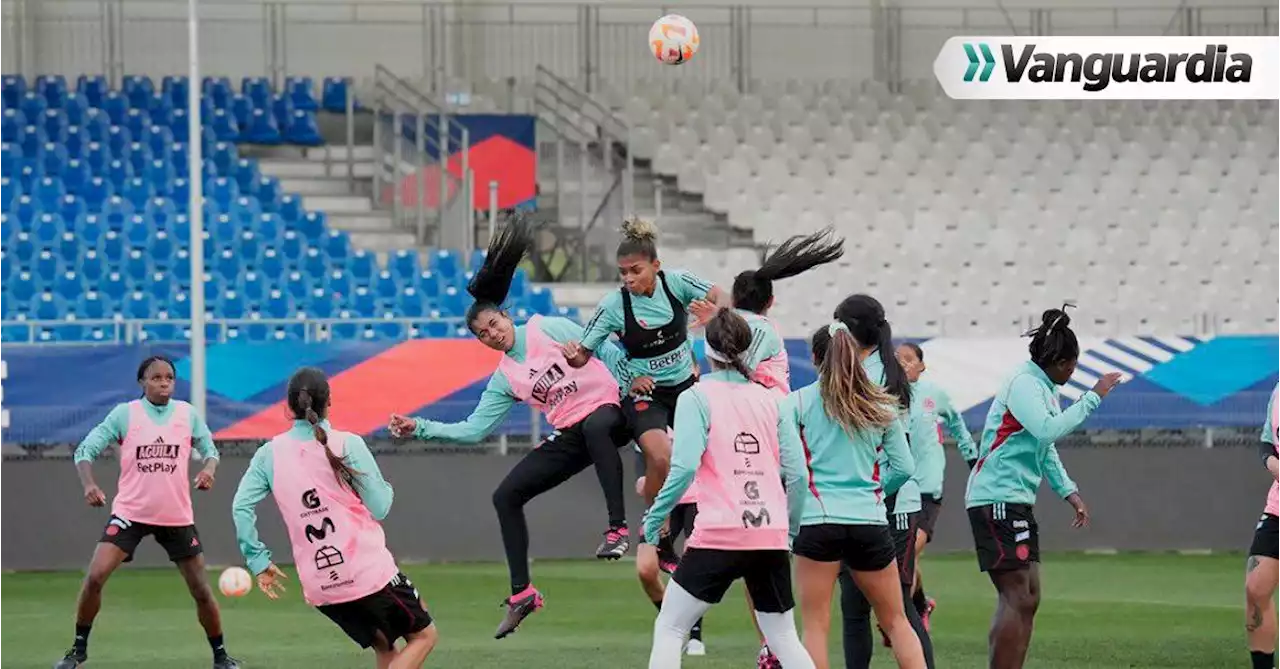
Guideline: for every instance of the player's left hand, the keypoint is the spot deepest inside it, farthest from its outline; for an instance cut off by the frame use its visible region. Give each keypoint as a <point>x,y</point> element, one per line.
<point>703,311</point>
<point>204,480</point>
<point>1082,511</point>
<point>401,426</point>
<point>642,385</point>
<point>269,582</point>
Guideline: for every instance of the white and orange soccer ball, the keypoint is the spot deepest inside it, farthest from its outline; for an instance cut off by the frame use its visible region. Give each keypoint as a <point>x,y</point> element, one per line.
<point>673,39</point>
<point>235,582</point>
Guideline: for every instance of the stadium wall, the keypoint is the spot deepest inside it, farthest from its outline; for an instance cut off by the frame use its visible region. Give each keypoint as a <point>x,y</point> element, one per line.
<point>1141,499</point>
<point>58,393</point>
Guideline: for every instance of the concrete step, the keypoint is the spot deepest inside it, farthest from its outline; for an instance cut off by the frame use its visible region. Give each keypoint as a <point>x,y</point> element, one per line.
<point>338,152</point>
<point>332,204</point>
<point>308,169</point>
<point>374,222</point>
<point>316,186</point>
<point>383,242</point>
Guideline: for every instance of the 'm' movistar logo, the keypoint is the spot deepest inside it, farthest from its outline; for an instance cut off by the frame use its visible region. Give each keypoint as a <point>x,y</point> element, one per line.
<point>1099,70</point>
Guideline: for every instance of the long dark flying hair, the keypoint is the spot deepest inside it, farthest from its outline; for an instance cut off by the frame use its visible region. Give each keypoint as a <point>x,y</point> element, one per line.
<point>1053,341</point>
<point>866,320</point>
<point>308,399</point>
<point>492,281</point>
<point>753,288</point>
<point>729,335</point>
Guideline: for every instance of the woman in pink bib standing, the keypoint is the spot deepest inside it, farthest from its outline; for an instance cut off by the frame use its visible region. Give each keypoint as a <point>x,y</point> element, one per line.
<point>581,403</point>
<point>332,497</point>
<point>154,436</point>
<point>1263,569</point>
<point>750,469</point>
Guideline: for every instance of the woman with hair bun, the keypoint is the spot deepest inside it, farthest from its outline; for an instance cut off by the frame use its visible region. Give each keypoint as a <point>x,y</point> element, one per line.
<point>1016,452</point>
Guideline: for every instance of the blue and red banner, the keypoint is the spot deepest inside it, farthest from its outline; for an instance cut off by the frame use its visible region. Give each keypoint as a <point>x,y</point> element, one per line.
<point>502,149</point>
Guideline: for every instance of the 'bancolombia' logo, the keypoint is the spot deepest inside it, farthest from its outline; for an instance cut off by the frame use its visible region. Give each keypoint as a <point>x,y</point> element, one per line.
<point>1098,70</point>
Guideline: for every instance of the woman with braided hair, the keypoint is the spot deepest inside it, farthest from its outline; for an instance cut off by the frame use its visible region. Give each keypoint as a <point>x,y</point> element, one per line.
<point>581,403</point>
<point>1016,451</point>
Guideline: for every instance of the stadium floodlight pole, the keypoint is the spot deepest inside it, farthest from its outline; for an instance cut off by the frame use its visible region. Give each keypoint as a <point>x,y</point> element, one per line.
<point>195,207</point>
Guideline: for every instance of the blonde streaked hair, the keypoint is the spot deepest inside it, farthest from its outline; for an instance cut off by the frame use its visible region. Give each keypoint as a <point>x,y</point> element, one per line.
<point>848,395</point>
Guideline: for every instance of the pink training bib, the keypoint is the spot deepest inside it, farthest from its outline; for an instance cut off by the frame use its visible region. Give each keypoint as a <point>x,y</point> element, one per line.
<point>339,549</point>
<point>774,372</point>
<point>1273,497</point>
<point>741,502</point>
<point>544,381</point>
<point>154,461</point>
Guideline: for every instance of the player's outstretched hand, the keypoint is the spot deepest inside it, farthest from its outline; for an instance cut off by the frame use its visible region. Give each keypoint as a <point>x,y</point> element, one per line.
<point>94,496</point>
<point>1082,512</point>
<point>1106,383</point>
<point>204,480</point>
<point>642,385</point>
<point>574,354</point>
<point>401,426</point>
<point>703,311</point>
<point>270,582</point>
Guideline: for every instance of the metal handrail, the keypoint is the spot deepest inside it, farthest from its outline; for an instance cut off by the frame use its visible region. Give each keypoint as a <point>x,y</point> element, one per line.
<point>130,330</point>
<point>621,126</point>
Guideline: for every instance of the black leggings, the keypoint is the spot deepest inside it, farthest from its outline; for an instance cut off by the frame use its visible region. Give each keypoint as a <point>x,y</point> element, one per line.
<point>594,440</point>
<point>855,611</point>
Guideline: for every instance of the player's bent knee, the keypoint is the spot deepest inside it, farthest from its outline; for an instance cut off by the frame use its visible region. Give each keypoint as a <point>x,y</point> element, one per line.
<point>1258,590</point>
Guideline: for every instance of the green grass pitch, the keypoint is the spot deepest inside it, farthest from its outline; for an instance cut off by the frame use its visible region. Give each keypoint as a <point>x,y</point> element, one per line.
<point>1100,612</point>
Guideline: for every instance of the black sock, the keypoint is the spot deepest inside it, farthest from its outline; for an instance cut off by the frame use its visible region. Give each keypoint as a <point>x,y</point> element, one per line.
<point>1263,660</point>
<point>81,642</point>
<point>517,589</point>
<point>696,632</point>
<point>618,526</point>
<point>219,650</point>
<point>921,602</point>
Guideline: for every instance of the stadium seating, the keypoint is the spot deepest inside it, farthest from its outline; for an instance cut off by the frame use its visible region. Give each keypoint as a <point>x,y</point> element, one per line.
<point>971,217</point>
<point>96,223</point>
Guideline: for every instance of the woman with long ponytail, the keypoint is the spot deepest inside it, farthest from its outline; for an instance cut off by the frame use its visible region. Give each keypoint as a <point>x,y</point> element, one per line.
<point>581,403</point>
<point>845,420</point>
<point>874,352</point>
<point>333,498</point>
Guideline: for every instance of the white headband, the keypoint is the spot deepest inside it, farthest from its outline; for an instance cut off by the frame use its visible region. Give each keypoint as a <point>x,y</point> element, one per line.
<point>719,357</point>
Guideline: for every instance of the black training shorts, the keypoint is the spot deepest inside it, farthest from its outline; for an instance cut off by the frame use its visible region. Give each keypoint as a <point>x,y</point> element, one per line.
<point>707,573</point>
<point>180,542</point>
<point>1005,535</point>
<point>860,547</point>
<point>930,509</point>
<point>902,527</point>
<point>1265,537</point>
<point>655,411</point>
<point>395,611</point>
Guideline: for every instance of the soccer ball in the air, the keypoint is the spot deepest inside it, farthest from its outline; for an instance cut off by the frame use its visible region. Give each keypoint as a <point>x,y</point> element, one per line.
<point>673,39</point>
<point>235,582</point>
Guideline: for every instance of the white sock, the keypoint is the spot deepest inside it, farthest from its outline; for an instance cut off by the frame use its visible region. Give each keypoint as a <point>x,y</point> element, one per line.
<point>680,610</point>
<point>780,633</point>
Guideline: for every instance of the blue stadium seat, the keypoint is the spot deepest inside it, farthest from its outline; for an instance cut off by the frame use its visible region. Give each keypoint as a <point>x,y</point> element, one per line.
<point>345,330</point>
<point>48,307</point>
<point>160,140</point>
<point>48,226</point>
<point>439,329</point>
<point>224,156</point>
<point>179,303</point>
<point>114,286</point>
<point>93,87</point>
<point>390,328</point>
<point>117,172</point>
<point>363,302</point>
<point>161,176</point>
<point>540,300</point>
<point>268,228</point>
<point>180,192</point>
<point>453,302</point>
<point>362,265</point>
<point>248,246</point>
<point>137,265</point>
<point>291,247</point>
<point>290,209</point>
<point>96,124</point>
<point>138,305</point>
<point>90,228</point>
<point>113,248</point>
<point>228,265</point>
<point>160,286</point>
<point>70,208</point>
<point>137,191</point>
<point>180,126</point>
<point>271,262</point>
<point>75,107</point>
<point>116,212</point>
<point>257,89</point>
<point>180,158</point>
<point>12,89</point>
<point>223,124</point>
<point>96,156</point>
<point>137,122</point>
<point>278,305</point>
<point>519,285</point>
<point>76,142</point>
<point>31,140</point>
<point>47,193</point>
<point>261,128</point>
<point>119,138</point>
<point>318,304</point>
<point>312,226</point>
<point>24,212</point>
<point>76,176</point>
<point>46,266</point>
<point>231,305</point>
<point>411,304</point>
<point>338,246</point>
<point>476,259</point>
<point>340,283</point>
<point>245,209</point>
<point>96,193</point>
<point>281,110</point>
<point>445,264</point>
<point>33,105</point>
<point>301,93</point>
<point>214,287</point>
<point>176,90</point>
<point>23,287</point>
<point>69,286</point>
<point>92,266</point>
<point>295,284</point>
<point>219,90</point>
<point>302,129</point>
<point>385,286</point>
<point>242,109</point>
<point>162,250</point>
<point>53,87</point>
<point>404,263</point>
<point>11,155</point>
<point>314,263</point>
<point>12,125</point>
<point>138,89</point>
<point>52,159</point>
<point>429,284</point>
<point>253,286</point>
<point>138,230</point>
<point>160,111</point>
<point>162,210</point>
<point>54,123</point>
<point>223,228</point>
<point>91,306</point>
<point>245,173</point>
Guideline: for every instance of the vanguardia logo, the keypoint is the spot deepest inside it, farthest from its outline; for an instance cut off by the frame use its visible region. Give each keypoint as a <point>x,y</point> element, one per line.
<point>1129,68</point>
